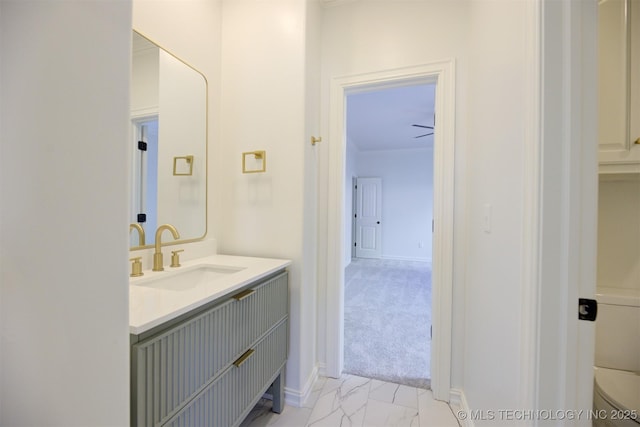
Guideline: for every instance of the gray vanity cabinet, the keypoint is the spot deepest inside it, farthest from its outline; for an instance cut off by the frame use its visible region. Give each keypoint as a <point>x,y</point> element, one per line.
<point>211,366</point>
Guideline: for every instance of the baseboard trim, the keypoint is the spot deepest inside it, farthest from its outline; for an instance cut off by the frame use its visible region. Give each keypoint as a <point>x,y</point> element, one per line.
<point>297,398</point>
<point>401,258</point>
<point>459,405</point>
<point>322,369</point>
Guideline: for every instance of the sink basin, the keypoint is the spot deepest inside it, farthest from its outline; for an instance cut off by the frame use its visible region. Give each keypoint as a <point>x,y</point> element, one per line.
<point>188,278</point>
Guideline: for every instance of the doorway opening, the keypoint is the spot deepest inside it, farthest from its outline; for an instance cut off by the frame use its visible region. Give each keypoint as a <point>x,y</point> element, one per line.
<point>387,293</point>
<point>144,202</point>
<point>441,73</point>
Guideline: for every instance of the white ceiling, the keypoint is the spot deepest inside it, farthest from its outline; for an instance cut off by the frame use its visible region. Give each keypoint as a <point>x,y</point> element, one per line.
<point>383,119</point>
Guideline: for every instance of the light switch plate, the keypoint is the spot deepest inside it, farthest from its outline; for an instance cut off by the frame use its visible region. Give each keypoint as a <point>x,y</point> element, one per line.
<point>486,218</point>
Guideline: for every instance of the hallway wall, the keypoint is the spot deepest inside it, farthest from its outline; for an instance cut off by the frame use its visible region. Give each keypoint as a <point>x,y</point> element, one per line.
<point>493,283</point>
<point>64,101</point>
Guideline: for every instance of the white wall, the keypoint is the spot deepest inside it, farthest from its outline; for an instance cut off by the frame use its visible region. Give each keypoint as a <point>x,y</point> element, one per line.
<point>619,233</point>
<point>144,81</point>
<point>369,36</point>
<point>267,63</point>
<point>407,200</point>
<point>64,345</point>
<point>497,114</point>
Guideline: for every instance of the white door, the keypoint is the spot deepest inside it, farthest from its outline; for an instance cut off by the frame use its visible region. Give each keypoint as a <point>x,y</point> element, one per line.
<point>368,217</point>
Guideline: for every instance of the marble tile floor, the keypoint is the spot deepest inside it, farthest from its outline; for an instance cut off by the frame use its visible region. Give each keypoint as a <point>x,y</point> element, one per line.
<point>354,401</point>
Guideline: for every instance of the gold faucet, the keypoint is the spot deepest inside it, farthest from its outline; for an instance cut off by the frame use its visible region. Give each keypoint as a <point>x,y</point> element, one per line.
<point>141,239</point>
<point>157,256</point>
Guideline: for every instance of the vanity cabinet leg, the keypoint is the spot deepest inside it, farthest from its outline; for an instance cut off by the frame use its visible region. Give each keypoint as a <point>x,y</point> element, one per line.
<point>278,393</point>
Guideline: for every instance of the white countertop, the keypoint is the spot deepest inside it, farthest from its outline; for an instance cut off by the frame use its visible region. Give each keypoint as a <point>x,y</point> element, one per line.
<point>150,307</point>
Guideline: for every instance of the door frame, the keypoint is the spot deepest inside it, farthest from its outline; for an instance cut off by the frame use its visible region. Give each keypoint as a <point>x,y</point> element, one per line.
<point>441,73</point>
<point>567,207</point>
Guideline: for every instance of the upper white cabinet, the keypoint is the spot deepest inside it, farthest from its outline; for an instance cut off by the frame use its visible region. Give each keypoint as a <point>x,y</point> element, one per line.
<point>619,86</point>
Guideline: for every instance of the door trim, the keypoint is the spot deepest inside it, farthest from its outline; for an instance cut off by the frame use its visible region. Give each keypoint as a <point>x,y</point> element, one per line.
<point>443,74</point>
<point>568,205</point>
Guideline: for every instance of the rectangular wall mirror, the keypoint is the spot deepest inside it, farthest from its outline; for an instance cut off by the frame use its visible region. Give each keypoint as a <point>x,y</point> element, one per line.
<point>168,121</point>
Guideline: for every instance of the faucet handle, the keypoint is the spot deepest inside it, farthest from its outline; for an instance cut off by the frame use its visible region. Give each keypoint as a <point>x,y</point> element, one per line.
<point>175,258</point>
<point>136,267</point>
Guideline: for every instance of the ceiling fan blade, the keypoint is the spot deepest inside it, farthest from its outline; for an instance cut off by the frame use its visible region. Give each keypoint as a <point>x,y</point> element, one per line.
<point>423,126</point>
<point>426,134</point>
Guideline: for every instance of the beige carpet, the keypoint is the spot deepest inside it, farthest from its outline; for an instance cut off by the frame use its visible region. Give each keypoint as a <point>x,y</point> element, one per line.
<point>387,320</point>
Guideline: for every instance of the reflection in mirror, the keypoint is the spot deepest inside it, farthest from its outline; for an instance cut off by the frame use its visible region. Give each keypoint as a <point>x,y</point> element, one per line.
<point>169,125</point>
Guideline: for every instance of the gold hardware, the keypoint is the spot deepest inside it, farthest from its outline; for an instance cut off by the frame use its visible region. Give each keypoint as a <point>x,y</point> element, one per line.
<point>157,256</point>
<point>247,354</point>
<point>141,238</point>
<point>187,170</point>
<point>136,267</point>
<point>175,258</point>
<point>637,141</point>
<point>242,295</point>
<point>315,140</point>
<point>257,155</point>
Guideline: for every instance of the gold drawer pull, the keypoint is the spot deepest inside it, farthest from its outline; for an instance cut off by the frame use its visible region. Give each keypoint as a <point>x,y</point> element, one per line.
<point>242,295</point>
<point>247,354</point>
<point>637,141</point>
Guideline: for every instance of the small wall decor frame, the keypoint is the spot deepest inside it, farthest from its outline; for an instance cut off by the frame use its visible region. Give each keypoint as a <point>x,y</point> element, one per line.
<point>254,161</point>
<point>183,166</point>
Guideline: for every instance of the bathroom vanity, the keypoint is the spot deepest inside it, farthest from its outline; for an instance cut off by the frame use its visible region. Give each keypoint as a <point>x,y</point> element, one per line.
<point>208,339</point>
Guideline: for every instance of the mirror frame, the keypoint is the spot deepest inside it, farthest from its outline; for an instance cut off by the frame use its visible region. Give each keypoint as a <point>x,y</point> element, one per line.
<point>206,151</point>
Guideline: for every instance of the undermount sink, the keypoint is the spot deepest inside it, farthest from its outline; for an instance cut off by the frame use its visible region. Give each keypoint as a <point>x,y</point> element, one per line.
<point>188,278</point>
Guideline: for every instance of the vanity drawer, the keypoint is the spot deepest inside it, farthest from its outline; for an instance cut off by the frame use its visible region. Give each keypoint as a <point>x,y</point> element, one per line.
<point>225,402</point>
<point>171,367</point>
<point>255,310</point>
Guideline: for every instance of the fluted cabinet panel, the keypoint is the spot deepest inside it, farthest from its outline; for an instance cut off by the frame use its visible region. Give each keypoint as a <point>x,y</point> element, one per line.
<point>174,366</point>
<point>225,400</point>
